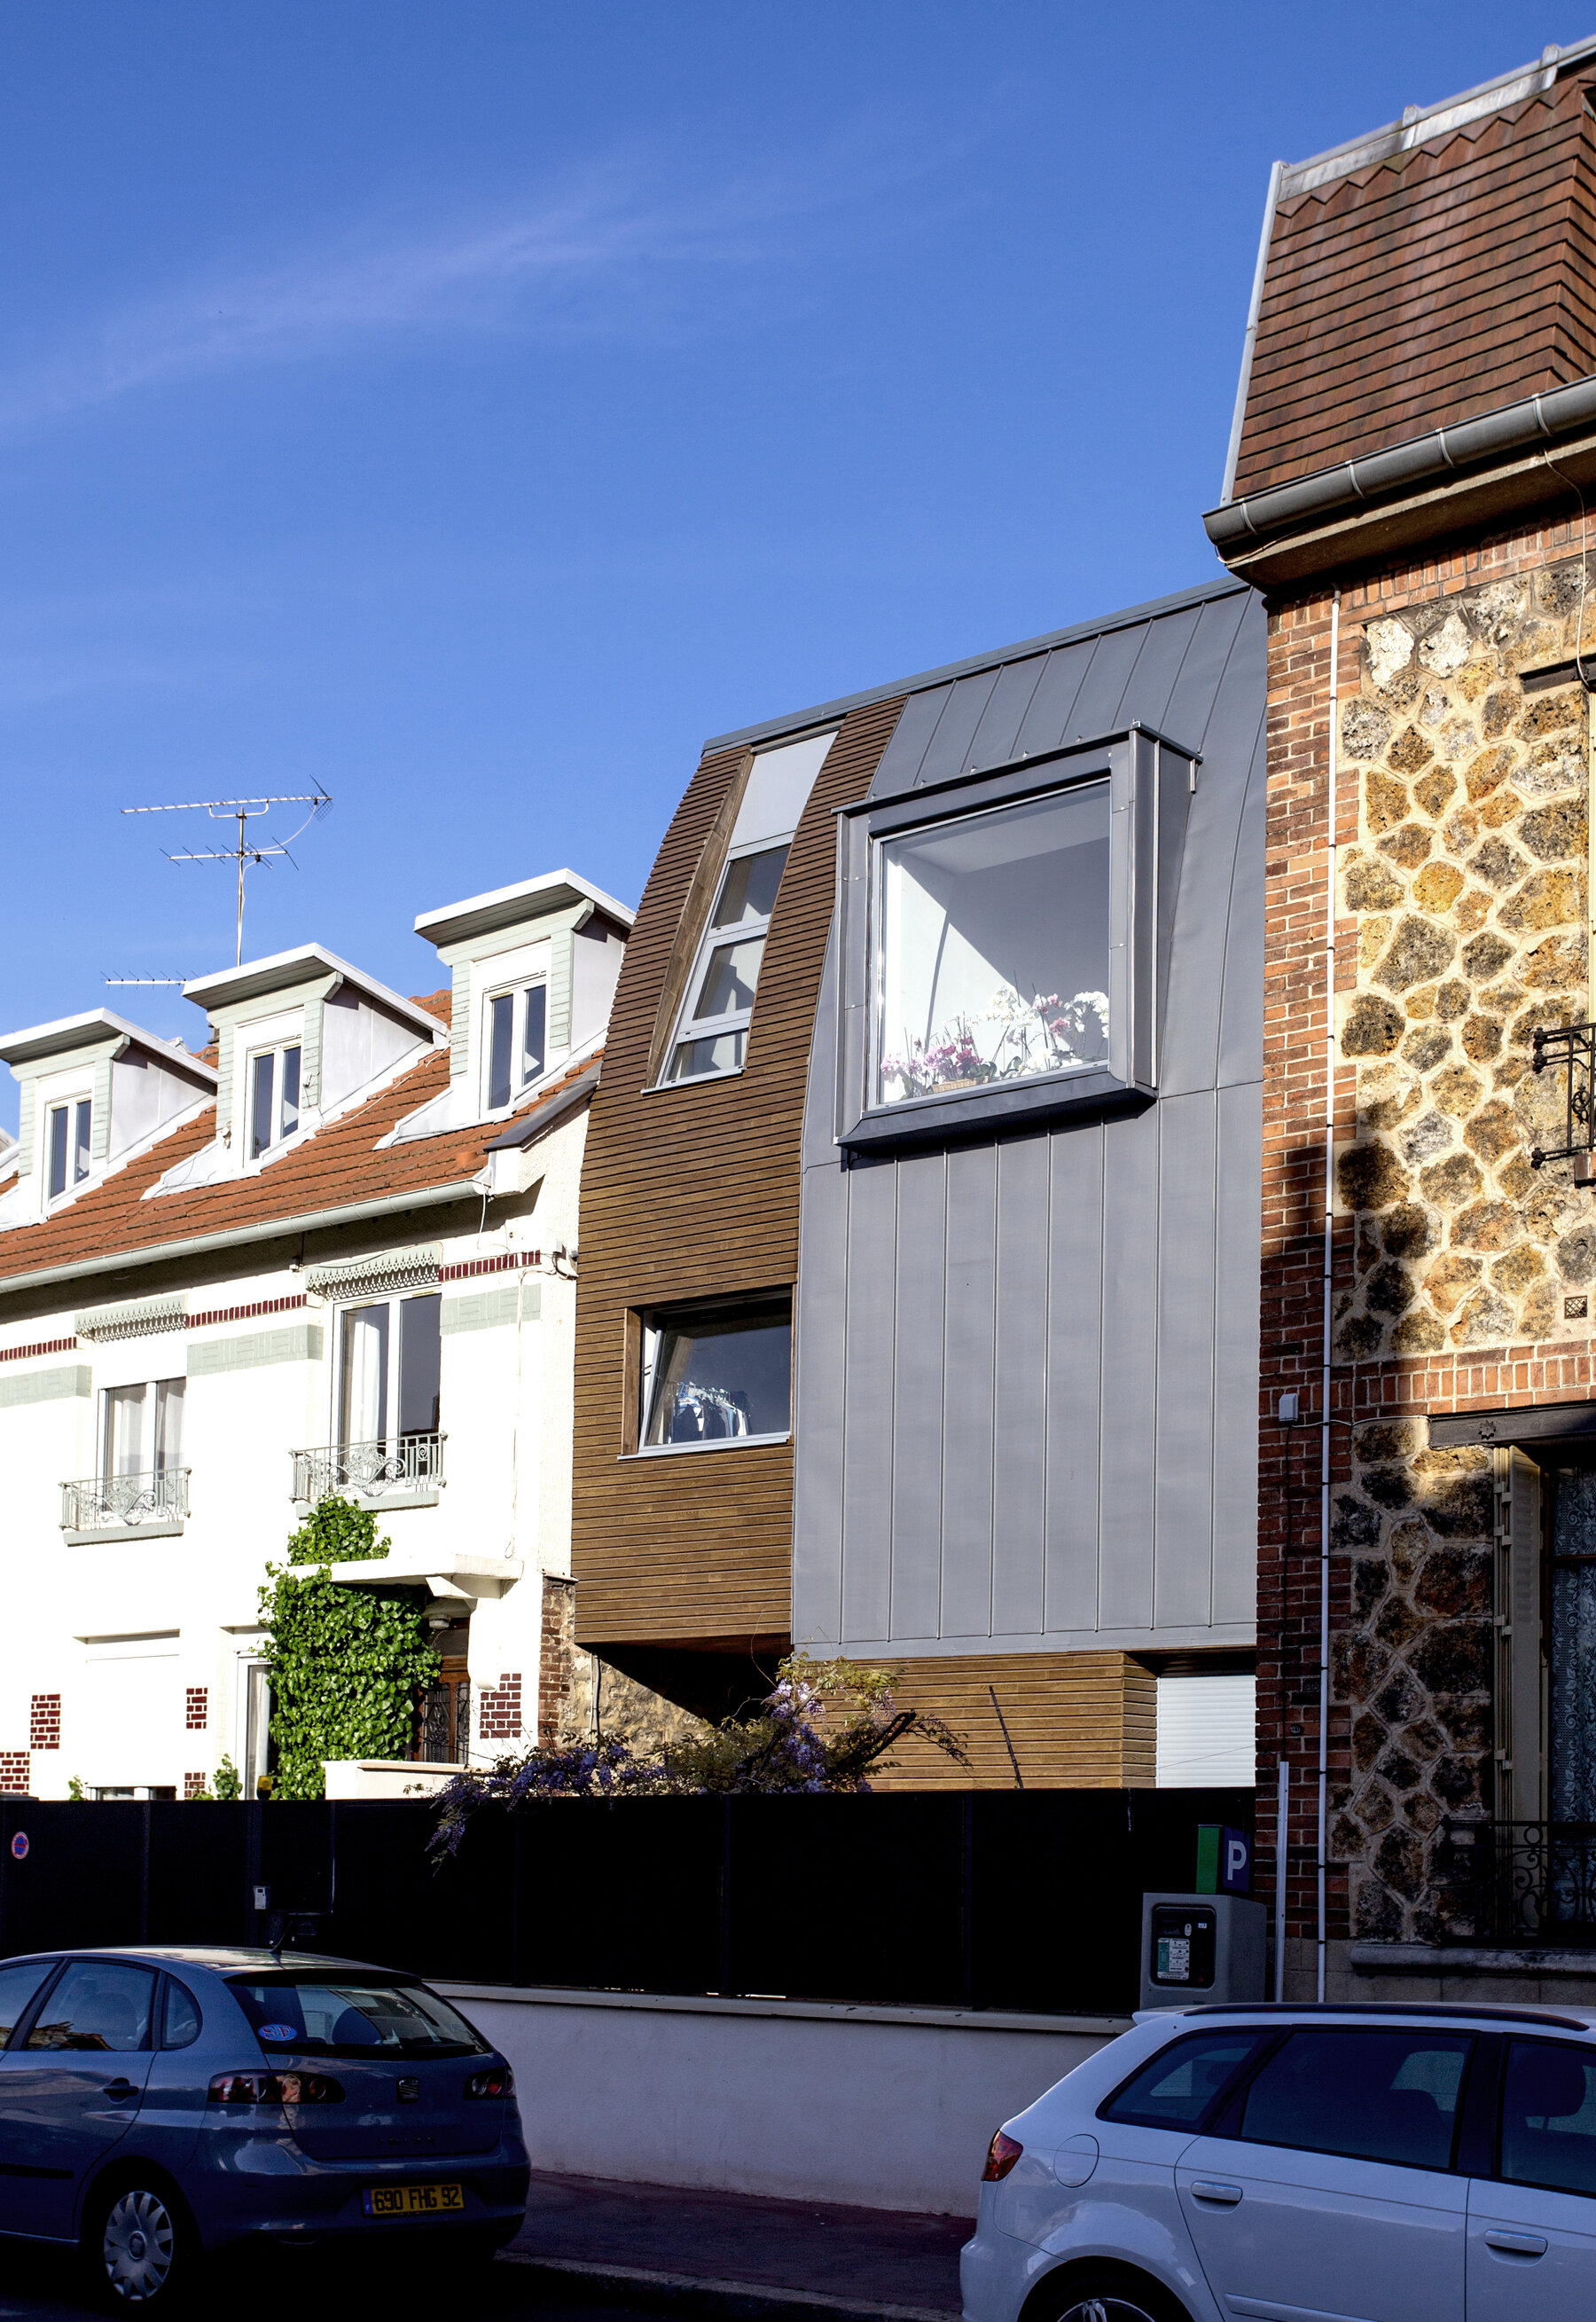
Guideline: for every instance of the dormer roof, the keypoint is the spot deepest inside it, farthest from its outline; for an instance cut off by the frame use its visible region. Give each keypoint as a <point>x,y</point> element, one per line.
<point>508,907</point>
<point>256,978</point>
<point>69,1034</point>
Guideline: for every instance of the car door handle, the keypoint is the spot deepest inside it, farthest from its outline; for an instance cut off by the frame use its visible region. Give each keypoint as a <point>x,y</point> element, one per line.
<point>1517,2244</point>
<point>1208,2189</point>
<point>119,2092</point>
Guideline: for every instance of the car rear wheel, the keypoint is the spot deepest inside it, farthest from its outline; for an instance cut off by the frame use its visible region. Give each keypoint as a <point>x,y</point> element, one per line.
<point>140,2249</point>
<point>1110,2295</point>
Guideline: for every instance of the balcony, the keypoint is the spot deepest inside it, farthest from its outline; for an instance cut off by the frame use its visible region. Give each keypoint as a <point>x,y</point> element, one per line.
<point>400,1471</point>
<point>1518,1883</point>
<point>153,1505</point>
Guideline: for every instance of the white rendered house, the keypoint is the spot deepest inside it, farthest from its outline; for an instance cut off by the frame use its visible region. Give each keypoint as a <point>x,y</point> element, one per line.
<point>339,1258</point>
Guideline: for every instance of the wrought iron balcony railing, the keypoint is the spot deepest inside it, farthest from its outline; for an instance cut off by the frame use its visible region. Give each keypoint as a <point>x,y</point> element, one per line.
<point>123,1502</point>
<point>1570,1049</point>
<point>389,1467</point>
<point>1517,1882</point>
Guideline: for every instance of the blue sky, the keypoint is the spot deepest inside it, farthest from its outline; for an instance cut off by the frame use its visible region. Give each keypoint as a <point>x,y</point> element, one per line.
<point>469,406</point>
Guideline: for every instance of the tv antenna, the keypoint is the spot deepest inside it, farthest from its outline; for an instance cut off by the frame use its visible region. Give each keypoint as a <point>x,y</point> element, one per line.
<point>246,851</point>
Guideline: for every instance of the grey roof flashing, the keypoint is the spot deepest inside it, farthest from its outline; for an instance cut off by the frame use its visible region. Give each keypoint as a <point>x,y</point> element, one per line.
<point>826,712</point>
<point>549,1114</point>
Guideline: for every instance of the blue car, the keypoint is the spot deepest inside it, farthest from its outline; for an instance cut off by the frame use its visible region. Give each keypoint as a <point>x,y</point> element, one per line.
<point>157,2105</point>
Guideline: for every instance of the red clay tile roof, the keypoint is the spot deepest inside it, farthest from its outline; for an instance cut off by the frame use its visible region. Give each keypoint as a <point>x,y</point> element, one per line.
<point>1433,286</point>
<point>335,1167</point>
<point>440,1004</point>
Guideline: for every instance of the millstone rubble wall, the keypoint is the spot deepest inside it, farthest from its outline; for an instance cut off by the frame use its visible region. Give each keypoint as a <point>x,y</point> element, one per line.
<point>1466,888</point>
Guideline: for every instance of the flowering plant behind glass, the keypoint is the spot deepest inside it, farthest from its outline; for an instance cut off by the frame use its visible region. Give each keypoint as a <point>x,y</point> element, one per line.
<point>1041,1034</point>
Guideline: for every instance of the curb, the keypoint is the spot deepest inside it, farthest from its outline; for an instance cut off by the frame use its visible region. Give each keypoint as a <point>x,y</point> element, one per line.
<point>579,2282</point>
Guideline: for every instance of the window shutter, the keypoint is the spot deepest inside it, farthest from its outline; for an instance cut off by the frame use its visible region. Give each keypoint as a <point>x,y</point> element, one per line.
<point>1520,1754</point>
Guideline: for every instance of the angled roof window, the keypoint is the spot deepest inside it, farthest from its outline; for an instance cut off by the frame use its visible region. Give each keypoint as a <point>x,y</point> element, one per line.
<point>711,1034</point>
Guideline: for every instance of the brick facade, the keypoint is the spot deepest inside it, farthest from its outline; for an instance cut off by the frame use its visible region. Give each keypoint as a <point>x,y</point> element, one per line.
<point>44,1722</point>
<point>195,1786</point>
<point>14,1771</point>
<point>1460,1274</point>
<point>197,1714</point>
<point>499,1715</point>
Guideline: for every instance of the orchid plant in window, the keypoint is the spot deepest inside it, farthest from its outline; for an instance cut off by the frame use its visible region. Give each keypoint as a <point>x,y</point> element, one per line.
<point>1044,1034</point>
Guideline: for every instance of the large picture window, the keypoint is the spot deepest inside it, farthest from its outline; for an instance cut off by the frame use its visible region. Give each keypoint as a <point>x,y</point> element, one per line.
<point>1004,942</point>
<point>718,1374</point>
<point>994,947</point>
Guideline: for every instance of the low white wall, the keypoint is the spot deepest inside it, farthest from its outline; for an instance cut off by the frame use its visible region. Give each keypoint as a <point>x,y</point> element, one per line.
<point>886,2108</point>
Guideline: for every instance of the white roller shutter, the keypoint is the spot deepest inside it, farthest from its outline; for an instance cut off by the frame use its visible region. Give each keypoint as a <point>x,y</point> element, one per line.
<point>1205,1733</point>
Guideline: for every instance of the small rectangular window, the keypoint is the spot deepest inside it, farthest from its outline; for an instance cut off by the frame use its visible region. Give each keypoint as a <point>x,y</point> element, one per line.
<point>718,1374</point>
<point>517,1042</point>
<point>1548,2116</point>
<point>1183,2084</point>
<point>144,1428</point>
<point>68,1144</point>
<point>1368,2095</point>
<point>274,1098</point>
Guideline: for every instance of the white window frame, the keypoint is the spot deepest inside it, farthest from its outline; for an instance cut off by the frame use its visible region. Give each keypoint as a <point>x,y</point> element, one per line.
<point>277,1051</point>
<point>391,1432</point>
<point>518,990</point>
<point>79,1138</point>
<point>690,1027</point>
<point>160,1388</point>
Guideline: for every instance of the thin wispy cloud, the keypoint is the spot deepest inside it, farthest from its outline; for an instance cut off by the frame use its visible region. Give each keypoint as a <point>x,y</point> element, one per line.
<point>615,249</point>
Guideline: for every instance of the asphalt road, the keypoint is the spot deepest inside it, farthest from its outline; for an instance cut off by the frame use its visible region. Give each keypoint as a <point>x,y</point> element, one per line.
<point>39,2287</point>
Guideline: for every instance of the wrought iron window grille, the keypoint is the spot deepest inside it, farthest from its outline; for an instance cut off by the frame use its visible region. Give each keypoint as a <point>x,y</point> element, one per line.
<point>1570,1049</point>
<point>123,1502</point>
<point>1517,1882</point>
<point>393,1464</point>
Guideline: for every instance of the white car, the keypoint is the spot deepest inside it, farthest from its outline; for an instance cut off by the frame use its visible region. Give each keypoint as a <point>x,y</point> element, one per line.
<point>1302,2164</point>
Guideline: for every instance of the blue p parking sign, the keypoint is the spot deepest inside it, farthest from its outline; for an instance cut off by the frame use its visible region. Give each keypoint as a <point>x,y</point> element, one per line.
<point>1236,1862</point>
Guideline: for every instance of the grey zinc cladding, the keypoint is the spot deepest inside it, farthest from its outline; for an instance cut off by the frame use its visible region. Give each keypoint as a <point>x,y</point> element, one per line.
<point>1026,1388</point>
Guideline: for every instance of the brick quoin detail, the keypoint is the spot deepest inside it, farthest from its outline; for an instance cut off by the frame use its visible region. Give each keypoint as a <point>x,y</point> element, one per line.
<point>555,1659</point>
<point>193,1785</point>
<point>199,1706</point>
<point>500,1719</point>
<point>14,1770</point>
<point>44,1722</point>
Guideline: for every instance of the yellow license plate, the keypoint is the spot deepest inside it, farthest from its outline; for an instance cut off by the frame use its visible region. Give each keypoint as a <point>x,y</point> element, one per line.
<point>413,2200</point>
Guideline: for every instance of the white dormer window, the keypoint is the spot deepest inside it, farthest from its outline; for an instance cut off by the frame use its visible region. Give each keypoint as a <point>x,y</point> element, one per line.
<point>274,1097</point>
<point>516,1041</point>
<point>67,1147</point>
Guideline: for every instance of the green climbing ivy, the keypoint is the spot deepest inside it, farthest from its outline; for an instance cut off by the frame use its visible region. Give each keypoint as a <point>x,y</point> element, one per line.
<point>345,1664</point>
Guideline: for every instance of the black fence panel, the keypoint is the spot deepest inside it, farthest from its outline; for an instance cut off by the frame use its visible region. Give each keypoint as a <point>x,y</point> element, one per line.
<point>1056,1881</point>
<point>833,1899</point>
<point>1007,1899</point>
<point>625,1896</point>
<point>197,1889</point>
<point>78,1877</point>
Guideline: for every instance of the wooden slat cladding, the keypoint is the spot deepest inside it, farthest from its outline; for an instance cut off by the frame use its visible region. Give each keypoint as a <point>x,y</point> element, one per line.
<point>1077,1721</point>
<point>1433,285</point>
<point>691,1192</point>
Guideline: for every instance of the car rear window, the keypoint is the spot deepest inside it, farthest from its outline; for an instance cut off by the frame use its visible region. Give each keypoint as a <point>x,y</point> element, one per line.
<point>1548,2116</point>
<point>1182,2085</point>
<point>353,2012</point>
<point>1371,2096</point>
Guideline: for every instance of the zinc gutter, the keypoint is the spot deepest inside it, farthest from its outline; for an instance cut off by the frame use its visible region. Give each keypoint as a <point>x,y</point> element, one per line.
<point>1536,419</point>
<point>238,1237</point>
